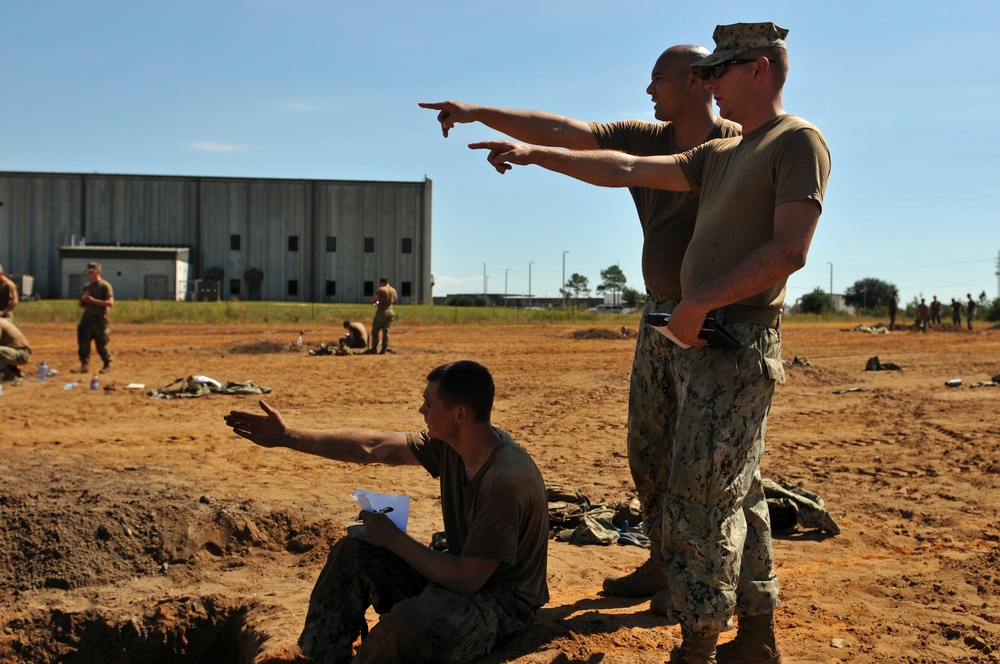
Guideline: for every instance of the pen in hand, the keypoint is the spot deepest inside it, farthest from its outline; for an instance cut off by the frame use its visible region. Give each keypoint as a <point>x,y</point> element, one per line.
<point>384,510</point>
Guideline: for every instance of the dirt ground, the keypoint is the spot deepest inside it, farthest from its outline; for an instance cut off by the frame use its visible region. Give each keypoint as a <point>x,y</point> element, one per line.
<point>134,529</point>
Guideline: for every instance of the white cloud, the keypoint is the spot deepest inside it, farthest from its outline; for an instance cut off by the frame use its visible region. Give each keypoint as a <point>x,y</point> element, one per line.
<point>447,283</point>
<point>215,146</point>
<point>299,106</point>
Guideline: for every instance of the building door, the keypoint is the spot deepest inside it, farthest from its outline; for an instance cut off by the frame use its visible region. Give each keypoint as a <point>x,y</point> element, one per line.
<point>255,278</point>
<point>155,287</point>
<point>253,290</point>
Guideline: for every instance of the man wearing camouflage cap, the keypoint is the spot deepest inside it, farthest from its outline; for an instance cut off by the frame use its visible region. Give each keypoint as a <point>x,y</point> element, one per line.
<point>761,198</point>
<point>685,118</point>
<point>95,300</point>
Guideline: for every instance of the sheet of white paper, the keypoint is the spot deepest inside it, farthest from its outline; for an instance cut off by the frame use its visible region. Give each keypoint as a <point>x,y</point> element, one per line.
<point>374,502</point>
<point>665,331</point>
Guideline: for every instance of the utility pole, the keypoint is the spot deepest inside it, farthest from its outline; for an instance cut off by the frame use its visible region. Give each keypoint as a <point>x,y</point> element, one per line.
<point>831,284</point>
<point>562,286</point>
<point>529,283</point>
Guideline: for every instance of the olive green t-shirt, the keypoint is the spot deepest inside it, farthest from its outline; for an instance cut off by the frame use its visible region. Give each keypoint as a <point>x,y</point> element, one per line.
<point>741,181</point>
<point>99,290</point>
<point>667,217</point>
<point>499,514</point>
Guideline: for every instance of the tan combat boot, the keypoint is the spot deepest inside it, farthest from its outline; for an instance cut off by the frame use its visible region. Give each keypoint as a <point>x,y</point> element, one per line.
<point>695,650</point>
<point>754,642</point>
<point>82,369</point>
<point>644,581</point>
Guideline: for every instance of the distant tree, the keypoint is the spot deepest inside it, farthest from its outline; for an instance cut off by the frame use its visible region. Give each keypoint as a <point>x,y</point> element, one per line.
<point>477,300</point>
<point>869,293</point>
<point>612,280</point>
<point>632,297</point>
<point>576,284</point>
<point>983,300</point>
<point>993,311</point>
<point>815,302</point>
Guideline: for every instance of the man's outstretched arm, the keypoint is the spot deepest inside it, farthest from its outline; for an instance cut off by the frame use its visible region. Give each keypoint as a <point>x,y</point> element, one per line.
<point>537,127</point>
<point>605,168</point>
<point>361,446</point>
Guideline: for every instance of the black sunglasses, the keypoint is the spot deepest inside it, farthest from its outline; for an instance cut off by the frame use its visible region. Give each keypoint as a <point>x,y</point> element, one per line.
<point>718,70</point>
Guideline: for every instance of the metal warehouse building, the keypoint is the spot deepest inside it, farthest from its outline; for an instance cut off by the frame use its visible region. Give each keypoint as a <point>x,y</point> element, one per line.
<point>250,238</point>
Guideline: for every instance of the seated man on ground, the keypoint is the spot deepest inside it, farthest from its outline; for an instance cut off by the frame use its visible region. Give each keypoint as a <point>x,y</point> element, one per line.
<point>356,337</point>
<point>451,606</point>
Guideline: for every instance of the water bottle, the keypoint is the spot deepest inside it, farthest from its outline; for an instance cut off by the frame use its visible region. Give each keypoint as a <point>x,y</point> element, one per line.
<point>1,389</point>
<point>299,342</point>
<point>43,372</point>
<point>954,382</point>
<point>69,386</point>
<point>95,383</point>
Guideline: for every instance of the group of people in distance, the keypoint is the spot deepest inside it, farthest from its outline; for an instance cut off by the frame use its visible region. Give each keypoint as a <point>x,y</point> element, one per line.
<point>95,300</point>
<point>931,314</point>
<point>356,337</point>
<point>697,414</point>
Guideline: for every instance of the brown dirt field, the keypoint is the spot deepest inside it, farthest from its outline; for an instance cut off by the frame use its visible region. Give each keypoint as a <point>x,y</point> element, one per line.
<point>134,529</point>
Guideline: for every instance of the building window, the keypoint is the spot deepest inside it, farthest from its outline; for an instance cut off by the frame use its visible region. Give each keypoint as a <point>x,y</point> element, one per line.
<point>331,287</point>
<point>331,243</point>
<point>293,286</point>
<point>293,242</point>
<point>234,242</point>
<point>407,245</point>
<point>369,245</point>
<point>406,288</point>
<point>234,285</point>
<point>369,288</point>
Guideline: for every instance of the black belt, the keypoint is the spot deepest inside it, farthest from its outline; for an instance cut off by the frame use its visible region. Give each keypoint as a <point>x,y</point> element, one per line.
<point>735,313</point>
<point>661,297</point>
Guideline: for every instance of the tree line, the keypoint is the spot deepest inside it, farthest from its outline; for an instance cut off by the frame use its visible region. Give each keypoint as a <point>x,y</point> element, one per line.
<point>872,295</point>
<point>613,282</point>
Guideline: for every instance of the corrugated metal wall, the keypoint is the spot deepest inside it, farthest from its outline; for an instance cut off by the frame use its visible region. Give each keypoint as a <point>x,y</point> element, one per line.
<point>41,211</point>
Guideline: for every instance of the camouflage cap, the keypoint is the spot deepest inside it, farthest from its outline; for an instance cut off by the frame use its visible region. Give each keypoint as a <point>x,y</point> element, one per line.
<point>733,40</point>
<point>93,265</point>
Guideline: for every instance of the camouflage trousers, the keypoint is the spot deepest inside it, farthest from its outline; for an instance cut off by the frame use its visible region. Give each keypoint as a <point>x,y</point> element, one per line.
<point>13,357</point>
<point>381,323</point>
<point>716,528</point>
<point>96,329</point>
<point>418,621</point>
<point>652,414</point>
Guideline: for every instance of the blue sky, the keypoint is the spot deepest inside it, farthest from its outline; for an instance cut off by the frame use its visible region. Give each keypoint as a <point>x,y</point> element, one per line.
<point>904,94</point>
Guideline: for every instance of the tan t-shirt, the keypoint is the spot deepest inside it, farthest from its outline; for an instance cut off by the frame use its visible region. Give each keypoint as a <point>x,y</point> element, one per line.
<point>667,217</point>
<point>742,181</point>
<point>501,513</point>
<point>99,290</point>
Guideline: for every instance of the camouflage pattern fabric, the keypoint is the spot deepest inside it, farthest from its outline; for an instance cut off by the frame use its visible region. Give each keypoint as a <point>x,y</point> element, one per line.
<point>189,388</point>
<point>652,412</point>
<point>381,323</point>
<point>418,621</point>
<point>808,509</point>
<point>566,506</point>
<point>96,329</point>
<point>716,527</point>
<point>13,356</point>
